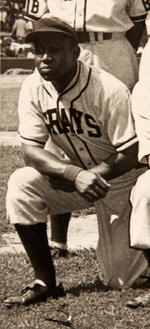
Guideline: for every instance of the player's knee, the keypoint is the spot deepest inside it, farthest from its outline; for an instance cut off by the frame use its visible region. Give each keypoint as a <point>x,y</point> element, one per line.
<point>21,178</point>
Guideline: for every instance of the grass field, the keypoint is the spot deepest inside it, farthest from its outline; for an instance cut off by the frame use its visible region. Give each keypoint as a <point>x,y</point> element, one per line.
<point>92,305</point>
<point>10,88</point>
<point>11,159</point>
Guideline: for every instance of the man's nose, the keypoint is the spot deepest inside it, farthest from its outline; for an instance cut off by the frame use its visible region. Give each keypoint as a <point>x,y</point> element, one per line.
<point>47,55</point>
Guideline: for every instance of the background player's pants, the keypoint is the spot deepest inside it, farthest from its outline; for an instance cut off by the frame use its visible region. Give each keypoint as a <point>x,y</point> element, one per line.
<point>115,56</point>
<point>30,198</point>
<point>140,215</point>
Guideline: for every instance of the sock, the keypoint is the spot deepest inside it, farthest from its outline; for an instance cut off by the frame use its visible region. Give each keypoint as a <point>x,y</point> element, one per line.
<point>59,227</point>
<point>35,242</point>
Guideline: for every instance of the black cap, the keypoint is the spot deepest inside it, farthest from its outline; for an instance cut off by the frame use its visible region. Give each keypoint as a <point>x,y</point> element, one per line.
<point>51,24</point>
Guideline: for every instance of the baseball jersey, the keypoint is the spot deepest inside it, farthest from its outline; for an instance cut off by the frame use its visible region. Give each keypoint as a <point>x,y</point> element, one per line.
<point>90,120</point>
<point>95,15</point>
<point>141,112</point>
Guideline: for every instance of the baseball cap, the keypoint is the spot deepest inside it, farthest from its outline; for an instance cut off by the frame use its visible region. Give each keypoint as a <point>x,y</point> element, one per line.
<point>50,24</point>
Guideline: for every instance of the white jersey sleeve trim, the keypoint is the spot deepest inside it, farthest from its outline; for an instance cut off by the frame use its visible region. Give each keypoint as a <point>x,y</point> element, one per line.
<point>127,144</point>
<point>29,141</point>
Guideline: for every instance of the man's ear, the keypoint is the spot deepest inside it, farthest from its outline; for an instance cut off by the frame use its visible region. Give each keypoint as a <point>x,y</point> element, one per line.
<point>76,51</point>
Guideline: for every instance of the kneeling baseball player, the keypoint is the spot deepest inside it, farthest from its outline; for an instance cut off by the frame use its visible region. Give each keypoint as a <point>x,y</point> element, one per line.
<point>87,113</point>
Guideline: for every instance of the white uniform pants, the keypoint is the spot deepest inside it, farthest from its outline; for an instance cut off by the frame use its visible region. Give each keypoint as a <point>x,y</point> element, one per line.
<point>115,56</point>
<point>140,215</point>
<point>30,198</point>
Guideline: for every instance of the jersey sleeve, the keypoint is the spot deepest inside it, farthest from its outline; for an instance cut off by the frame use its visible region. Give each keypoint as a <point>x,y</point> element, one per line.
<point>32,128</point>
<point>35,9</point>
<point>138,9</point>
<point>141,113</point>
<point>118,122</point>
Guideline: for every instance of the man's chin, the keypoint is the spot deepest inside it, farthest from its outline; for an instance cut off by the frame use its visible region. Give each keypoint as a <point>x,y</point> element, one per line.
<point>47,76</point>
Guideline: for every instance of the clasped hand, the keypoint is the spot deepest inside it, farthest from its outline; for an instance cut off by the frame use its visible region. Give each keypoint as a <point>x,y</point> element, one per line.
<point>88,185</point>
<point>91,186</point>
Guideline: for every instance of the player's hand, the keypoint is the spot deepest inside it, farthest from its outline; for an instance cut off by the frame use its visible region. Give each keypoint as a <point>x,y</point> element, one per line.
<point>62,184</point>
<point>90,186</point>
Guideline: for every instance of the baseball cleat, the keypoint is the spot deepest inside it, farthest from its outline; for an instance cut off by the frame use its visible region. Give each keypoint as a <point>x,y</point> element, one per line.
<point>140,301</point>
<point>59,249</point>
<point>34,293</point>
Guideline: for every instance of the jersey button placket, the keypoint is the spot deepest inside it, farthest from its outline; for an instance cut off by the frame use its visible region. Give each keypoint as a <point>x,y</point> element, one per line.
<point>81,150</point>
<point>85,157</point>
<point>89,164</point>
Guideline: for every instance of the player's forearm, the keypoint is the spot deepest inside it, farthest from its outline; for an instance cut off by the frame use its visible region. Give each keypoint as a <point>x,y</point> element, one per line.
<point>118,163</point>
<point>134,35</point>
<point>47,163</point>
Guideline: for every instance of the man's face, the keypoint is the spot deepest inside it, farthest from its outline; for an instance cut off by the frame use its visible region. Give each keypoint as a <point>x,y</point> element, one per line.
<point>55,59</point>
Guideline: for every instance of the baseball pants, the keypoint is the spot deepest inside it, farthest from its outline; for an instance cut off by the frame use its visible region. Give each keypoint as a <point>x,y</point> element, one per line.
<point>30,198</point>
<point>115,56</point>
<point>140,215</point>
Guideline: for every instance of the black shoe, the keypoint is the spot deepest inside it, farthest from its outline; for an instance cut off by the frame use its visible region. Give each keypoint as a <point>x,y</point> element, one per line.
<point>34,293</point>
<point>62,253</point>
<point>57,252</point>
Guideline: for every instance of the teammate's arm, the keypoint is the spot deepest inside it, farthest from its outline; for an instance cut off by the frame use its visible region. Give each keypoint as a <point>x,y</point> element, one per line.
<point>134,35</point>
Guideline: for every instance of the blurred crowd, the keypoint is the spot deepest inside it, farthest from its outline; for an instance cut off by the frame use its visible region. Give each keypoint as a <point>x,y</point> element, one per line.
<point>14,28</point>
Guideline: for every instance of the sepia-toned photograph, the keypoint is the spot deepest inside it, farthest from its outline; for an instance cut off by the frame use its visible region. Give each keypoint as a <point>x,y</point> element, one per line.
<point>75,158</point>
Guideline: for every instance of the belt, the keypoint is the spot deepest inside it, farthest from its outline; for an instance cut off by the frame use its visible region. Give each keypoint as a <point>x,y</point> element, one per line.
<point>93,36</point>
<point>96,36</point>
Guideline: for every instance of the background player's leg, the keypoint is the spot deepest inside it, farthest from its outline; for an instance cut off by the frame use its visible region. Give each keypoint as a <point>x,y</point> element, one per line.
<point>59,230</point>
<point>59,223</point>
